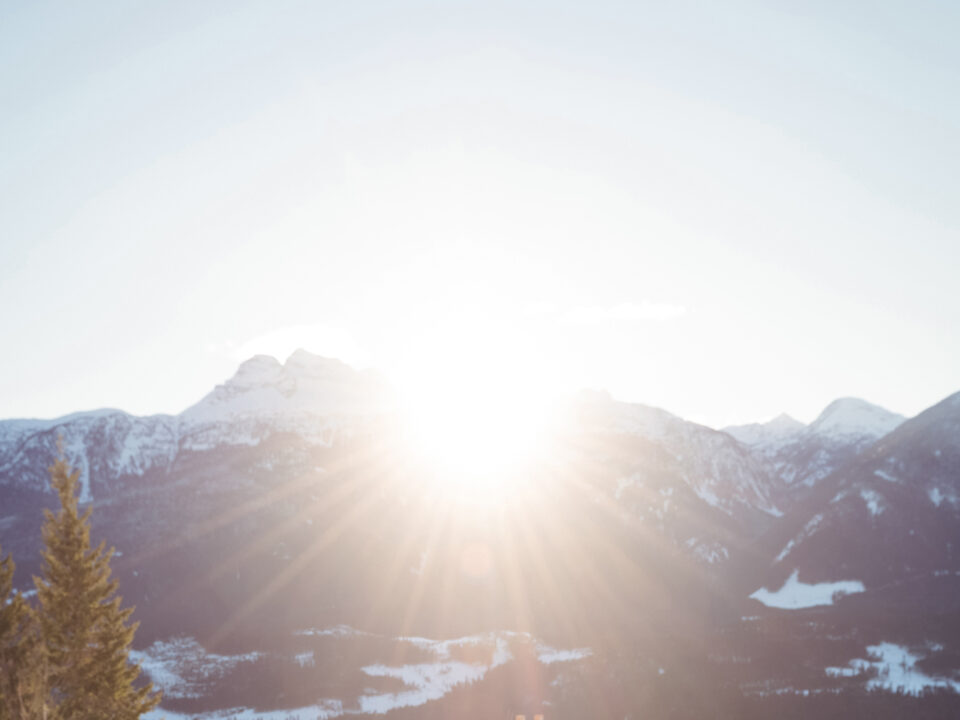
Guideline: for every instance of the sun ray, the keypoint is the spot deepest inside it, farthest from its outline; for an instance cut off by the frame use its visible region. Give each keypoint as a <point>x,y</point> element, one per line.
<point>326,538</point>
<point>337,493</point>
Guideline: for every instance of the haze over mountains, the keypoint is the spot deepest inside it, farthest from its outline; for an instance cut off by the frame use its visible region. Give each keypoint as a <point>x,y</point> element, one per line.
<point>287,554</point>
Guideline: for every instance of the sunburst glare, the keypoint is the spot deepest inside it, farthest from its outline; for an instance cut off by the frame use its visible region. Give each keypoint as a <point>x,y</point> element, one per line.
<point>477,410</point>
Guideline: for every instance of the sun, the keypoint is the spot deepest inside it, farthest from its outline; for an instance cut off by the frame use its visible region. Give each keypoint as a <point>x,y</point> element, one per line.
<point>477,413</point>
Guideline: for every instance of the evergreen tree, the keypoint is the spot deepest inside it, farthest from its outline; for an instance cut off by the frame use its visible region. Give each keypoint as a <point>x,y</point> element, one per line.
<point>22,667</point>
<point>85,632</point>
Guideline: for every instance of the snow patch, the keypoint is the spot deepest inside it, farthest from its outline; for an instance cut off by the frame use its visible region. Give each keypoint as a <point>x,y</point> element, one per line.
<point>896,671</point>
<point>336,631</point>
<point>182,668</point>
<point>428,681</point>
<point>795,595</point>
<point>873,500</point>
<point>707,495</point>
<point>431,681</point>
<point>807,531</point>
<point>708,551</point>
<point>325,710</point>
<point>548,655</point>
<point>883,475</point>
<point>938,497</point>
<point>786,551</point>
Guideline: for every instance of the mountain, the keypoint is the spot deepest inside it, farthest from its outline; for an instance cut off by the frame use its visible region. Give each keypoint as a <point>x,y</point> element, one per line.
<point>801,456</point>
<point>103,445</point>
<point>318,399</point>
<point>696,485</point>
<point>707,462</point>
<point>305,386</point>
<point>890,516</point>
<point>854,419</point>
<point>769,434</point>
<point>289,557</point>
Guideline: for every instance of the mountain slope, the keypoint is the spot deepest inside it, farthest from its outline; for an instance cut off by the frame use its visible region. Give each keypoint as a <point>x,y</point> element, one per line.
<point>766,435</point>
<point>802,456</point>
<point>319,399</point>
<point>889,516</point>
<point>708,462</point>
<point>286,554</point>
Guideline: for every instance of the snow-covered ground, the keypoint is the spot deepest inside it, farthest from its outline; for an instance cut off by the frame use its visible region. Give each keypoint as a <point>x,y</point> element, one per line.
<point>896,671</point>
<point>795,594</point>
<point>424,682</point>
<point>431,681</point>
<point>807,531</point>
<point>873,500</point>
<point>548,655</point>
<point>324,710</point>
<point>884,475</point>
<point>181,668</point>
<point>938,497</point>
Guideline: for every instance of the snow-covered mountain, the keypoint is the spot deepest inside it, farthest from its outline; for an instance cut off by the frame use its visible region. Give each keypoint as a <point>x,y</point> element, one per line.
<point>707,462</point>
<point>801,455</point>
<point>285,558</point>
<point>306,385</point>
<point>102,444</point>
<point>854,419</point>
<point>772,433</point>
<point>319,399</point>
<point>891,513</point>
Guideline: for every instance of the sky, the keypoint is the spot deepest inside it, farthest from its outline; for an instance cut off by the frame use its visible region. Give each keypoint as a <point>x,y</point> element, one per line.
<point>729,210</point>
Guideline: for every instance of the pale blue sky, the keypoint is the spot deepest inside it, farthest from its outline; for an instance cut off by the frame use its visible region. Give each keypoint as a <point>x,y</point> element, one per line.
<point>728,209</point>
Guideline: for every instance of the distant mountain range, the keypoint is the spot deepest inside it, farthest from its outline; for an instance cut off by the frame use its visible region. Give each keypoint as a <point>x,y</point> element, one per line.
<point>287,555</point>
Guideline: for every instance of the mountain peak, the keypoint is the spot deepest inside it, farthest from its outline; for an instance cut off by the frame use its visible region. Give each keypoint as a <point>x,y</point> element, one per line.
<point>258,370</point>
<point>784,422</point>
<point>850,416</point>
<point>305,357</point>
<point>772,432</point>
<point>303,362</point>
<point>305,383</point>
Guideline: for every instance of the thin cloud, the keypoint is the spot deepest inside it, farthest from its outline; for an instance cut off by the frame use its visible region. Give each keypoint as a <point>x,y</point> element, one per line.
<point>624,312</point>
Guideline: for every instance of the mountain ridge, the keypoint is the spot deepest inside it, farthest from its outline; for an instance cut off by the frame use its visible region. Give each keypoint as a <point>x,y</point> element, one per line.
<point>656,532</point>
